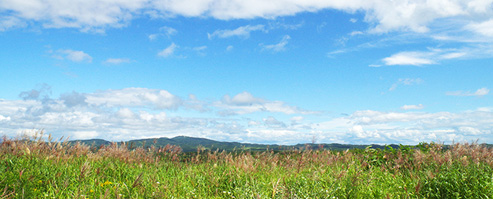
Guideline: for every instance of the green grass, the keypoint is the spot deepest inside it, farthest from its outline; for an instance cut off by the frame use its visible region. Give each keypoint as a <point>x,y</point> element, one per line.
<point>33,168</point>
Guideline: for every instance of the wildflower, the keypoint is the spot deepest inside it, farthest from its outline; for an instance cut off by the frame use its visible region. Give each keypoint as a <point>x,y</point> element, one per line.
<point>91,191</point>
<point>105,183</point>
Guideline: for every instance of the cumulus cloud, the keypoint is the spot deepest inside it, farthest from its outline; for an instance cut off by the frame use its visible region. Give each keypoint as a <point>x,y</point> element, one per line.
<point>484,28</point>
<point>73,99</point>
<point>132,113</point>
<point>4,118</point>
<point>168,51</point>
<point>83,15</point>
<point>479,92</point>
<point>281,46</point>
<point>272,122</point>
<point>414,127</point>
<point>243,32</point>
<point>43,90</point>
<point>383,16</point>
<point>135,97</point>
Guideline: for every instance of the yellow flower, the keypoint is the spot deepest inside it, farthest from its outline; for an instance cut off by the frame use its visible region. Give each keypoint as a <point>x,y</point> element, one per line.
<point>91,190</point>
<point>105,183</point>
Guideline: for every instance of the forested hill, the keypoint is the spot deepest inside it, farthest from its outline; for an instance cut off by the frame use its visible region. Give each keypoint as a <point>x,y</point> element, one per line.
<point>190,144</point>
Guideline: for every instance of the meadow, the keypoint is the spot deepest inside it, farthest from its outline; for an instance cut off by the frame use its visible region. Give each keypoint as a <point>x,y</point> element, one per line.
<point>39,168</point>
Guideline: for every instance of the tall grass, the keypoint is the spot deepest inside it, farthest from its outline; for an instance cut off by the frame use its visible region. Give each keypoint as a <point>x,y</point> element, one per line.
<point>35,168</point>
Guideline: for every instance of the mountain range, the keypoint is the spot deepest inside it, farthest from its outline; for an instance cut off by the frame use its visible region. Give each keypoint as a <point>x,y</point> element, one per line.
<point>190,144</point>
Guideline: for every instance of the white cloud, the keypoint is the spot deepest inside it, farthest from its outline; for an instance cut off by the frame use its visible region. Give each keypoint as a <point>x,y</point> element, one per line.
<point>484,28</point>
<point>10,22</point>
<point>356,33</point>
<point>479,92</point>
<point>277,25</point>
<point>432,56</point>
<point>281,46</point>
<point>168,31</point>
<point>229,48</point>
<point>383,16</point>
<point>272,122</point>
<point>75,56</point>
<point>242,99</point>
<point>406,81</point>
<point>117,61</point>
<point>453,55</point>
<point>200,48</point>
<point>165,31</point>
<point>83,135</point>
<point>246,103</point>
<point>135,97</point>
<point>168,51</point>
<point>408,58</point>
<point>83,15</point>
<point>412,107</point>
<point>243,31</point>
<point>3,118</point>
<point>134,113</point>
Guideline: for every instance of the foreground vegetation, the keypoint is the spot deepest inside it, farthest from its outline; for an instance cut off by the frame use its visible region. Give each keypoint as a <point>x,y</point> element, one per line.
<point>34,168</point>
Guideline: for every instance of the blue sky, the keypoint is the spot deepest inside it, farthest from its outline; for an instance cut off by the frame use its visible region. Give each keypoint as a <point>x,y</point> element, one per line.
<point>285,72</point>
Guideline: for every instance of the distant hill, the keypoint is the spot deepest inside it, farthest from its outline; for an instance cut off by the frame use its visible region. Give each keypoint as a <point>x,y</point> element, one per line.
<point>190,144</point>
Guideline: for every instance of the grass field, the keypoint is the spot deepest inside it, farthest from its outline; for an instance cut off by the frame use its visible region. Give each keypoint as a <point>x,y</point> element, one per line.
<point>35,168</point>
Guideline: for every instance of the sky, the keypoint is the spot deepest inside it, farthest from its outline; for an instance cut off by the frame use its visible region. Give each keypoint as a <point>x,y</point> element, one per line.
<point>270,72</point>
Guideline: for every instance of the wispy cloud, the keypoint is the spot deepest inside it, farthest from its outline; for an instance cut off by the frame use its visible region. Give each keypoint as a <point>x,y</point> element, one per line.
<point>117,61</point>
<point>406,81</point>
<point>168,51</point>
<point>281,46</point>
<point>243,32</point>
<point>246,103</point>
<point>412,107</point>
<point>10,22</point>
<point>73,55</point>
<point>164,31</point>
<point>479,92</point>
<point>432,56</point>
<point>408,58</point>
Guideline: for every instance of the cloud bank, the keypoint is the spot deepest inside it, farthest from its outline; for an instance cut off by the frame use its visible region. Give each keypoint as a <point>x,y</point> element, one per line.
<point>383,16</point>
<point>133,113</point>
